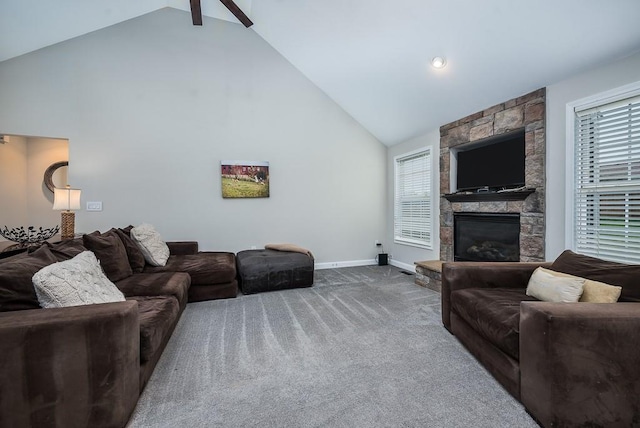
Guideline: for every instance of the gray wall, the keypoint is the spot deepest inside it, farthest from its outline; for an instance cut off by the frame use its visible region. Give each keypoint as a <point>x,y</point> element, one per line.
<point>584,85</point>
<point>150,107</point>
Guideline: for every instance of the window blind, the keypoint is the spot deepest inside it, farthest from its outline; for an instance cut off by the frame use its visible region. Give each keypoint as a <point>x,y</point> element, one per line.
<point>607,181</point>
<point>412,211</point>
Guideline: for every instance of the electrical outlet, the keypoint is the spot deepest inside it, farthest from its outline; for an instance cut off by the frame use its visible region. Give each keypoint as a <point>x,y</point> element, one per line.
<point>377,243</point>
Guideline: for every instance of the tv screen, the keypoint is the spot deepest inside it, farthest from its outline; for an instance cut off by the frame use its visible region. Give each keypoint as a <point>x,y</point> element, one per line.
<point>495,165</point>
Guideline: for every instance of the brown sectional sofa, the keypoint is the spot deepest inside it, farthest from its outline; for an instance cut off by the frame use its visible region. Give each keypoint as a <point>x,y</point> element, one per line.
<point>570,364</point>
<point>85,366</point>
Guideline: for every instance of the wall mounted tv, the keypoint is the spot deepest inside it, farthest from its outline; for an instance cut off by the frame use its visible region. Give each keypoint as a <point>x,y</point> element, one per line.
<point>497,163</point>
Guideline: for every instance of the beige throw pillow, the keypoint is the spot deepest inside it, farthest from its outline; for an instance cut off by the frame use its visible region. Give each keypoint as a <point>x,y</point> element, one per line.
<point>600,292</point>
<point>546,286</point>
<point>74,282</point>
<point>154,249</point>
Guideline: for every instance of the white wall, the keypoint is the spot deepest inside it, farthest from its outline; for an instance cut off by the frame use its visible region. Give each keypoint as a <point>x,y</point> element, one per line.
<point>13,182</point>
<point>405,255</point>
<point>150,107</point>
<point>577,87</point>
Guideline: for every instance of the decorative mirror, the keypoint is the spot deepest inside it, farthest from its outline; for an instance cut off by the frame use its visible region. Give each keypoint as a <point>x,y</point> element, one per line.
<point>55,170</point>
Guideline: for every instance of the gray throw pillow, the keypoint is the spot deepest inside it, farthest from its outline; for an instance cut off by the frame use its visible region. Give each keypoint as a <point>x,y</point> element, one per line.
<point>154,249</point>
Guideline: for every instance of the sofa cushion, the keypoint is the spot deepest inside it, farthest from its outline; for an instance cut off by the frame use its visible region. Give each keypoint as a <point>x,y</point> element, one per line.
<point>205,268</point>
<point>494,313</point>
<point>157,315</point>
<point>110,250</point>
<point>136,258</point>
<point>67,248</point>
<point>550,286</point>
<point>182,248</point>
<point>79,281</point>
<point>16,286</point>
<point>154,249</point>
<point>612,273</point>
<point>156,284</point>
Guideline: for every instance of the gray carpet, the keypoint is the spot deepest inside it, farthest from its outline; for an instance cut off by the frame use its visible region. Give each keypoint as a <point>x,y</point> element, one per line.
<point>364,347</point>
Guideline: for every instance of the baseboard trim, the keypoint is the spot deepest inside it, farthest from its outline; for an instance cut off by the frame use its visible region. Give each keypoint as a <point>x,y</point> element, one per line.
<point>405,266</point>
<point>352,263</point>
<point>372,262</point>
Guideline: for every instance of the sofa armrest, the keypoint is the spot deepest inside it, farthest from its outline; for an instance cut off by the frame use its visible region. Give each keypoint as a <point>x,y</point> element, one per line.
<point>460,275</point>
<point>69,367</point>
<point>579,363</point>
<point>182,248</point>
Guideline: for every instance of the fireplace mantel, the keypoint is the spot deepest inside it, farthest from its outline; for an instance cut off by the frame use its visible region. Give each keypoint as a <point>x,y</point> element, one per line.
<point>489,196</point>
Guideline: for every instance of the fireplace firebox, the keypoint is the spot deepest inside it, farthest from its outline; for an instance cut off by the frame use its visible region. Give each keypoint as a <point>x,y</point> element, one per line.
<point>486,237</point>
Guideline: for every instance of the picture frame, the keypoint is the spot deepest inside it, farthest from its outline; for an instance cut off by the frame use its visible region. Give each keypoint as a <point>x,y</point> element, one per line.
<point>244,179</point>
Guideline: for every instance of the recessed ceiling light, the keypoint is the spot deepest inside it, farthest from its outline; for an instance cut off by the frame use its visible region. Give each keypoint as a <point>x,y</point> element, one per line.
<point>438,62</point>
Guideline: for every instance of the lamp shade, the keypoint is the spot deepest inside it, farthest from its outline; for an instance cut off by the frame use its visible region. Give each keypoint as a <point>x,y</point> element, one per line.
<point>66,199</point>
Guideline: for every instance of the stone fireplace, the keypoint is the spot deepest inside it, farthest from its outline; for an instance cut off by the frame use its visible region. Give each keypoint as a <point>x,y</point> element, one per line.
<point>526,207</point>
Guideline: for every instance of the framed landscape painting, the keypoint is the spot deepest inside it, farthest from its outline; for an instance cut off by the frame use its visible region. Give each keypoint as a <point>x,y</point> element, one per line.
<point>245,179</point>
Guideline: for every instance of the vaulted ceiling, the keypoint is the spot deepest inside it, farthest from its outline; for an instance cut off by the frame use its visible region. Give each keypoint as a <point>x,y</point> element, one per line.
<point>372,57</point>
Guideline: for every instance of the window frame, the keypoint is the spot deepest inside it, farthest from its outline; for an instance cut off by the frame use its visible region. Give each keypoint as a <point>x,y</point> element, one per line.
<point>572,117</point>
<point>428,198</point>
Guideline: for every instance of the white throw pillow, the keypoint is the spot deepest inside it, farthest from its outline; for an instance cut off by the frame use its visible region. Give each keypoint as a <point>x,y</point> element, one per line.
<point>547,286</point>
<point>74,282</point>
<point>154,249</point>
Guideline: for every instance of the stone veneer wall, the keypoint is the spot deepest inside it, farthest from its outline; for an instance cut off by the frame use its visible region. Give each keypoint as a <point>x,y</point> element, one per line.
<point>528,112</point>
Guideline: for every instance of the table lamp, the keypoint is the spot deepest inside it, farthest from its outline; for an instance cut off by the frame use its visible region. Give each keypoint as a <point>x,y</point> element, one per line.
<point>67,199</point>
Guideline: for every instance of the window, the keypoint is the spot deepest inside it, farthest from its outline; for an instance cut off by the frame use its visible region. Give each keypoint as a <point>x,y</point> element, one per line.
<point>412,208</point>
<point>607,181</point>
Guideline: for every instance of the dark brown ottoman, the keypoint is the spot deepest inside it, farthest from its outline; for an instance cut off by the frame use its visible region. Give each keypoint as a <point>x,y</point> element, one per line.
<point>268,270</point>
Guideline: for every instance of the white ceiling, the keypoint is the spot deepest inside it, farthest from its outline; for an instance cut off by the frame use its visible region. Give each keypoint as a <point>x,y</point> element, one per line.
<point>372,57</point>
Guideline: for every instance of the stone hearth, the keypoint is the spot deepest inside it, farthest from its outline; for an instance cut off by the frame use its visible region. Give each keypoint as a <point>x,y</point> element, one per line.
<point>429,274</point>
<point>528,112</point>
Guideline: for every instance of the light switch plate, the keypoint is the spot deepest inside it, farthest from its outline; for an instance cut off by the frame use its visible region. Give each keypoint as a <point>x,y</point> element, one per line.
<point>94,206</point>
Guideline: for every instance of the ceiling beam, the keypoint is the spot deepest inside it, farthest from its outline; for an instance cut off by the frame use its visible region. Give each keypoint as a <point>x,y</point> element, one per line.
<point>196,12</point>
<point>233,8</point>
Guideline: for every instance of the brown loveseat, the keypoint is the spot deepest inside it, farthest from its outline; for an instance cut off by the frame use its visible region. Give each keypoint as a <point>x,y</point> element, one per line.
<point>570,364</point>
<point>85,366</point>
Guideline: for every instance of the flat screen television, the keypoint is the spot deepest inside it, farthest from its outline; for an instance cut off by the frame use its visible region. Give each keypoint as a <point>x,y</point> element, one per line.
<point>497,164</point>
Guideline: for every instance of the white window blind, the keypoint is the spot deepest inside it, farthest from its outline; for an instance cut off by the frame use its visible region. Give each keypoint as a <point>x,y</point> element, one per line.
<point>412,211</point>
<point>607,181</point>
